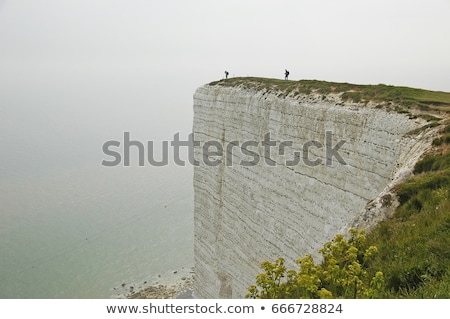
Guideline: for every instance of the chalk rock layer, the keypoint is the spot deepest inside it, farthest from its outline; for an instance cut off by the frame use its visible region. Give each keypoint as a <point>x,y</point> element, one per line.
<point>258,199</point>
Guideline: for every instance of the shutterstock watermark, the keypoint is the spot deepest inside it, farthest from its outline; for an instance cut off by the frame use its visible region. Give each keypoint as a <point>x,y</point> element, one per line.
<point>214,153</point>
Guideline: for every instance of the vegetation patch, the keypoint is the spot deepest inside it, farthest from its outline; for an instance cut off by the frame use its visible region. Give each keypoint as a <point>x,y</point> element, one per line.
<point>422,128</point>
<point>444,139</point>
<point>401,99</point>
<point>414,246</point>
<point>343,273</point>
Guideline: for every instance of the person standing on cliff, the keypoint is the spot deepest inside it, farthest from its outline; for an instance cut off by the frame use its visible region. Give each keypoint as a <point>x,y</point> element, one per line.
<point>286,74</point>
<point>226,74</point>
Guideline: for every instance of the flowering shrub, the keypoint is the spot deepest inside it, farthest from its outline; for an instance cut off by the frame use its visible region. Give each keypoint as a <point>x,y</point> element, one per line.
<point>342,274</point>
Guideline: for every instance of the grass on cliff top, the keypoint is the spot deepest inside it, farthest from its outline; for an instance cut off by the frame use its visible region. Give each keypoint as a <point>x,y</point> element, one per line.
<point>414,245</point>
<point>384,94</point>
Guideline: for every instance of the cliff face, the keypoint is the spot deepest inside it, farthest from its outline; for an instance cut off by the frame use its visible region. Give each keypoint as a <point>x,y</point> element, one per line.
<point>252,208</point>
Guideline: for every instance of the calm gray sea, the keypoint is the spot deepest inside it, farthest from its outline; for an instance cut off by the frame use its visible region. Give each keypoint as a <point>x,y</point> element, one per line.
<point>69,227</point>
<point>81,233</point>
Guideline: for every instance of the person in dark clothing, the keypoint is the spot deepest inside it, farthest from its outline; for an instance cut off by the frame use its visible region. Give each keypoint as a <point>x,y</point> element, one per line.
<point>286,74</point>
<point>226,74</point>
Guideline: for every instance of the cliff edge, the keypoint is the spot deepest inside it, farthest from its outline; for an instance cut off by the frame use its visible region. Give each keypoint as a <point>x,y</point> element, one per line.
<point>284,166</point>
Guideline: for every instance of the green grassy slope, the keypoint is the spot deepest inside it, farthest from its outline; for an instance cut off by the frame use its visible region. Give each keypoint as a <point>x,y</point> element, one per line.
<point>414,245</point>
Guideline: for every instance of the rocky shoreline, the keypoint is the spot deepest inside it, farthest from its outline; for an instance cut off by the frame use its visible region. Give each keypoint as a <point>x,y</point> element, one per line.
<point>174,284</point>
<point>181,290</point>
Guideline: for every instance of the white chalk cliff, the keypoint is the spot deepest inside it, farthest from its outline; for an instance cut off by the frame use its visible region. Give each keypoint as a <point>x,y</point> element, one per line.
<point>245,214</point>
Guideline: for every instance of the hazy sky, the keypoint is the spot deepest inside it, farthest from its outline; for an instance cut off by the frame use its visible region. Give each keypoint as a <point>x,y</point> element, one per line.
<point>115,65</point>
<point>393,42</point>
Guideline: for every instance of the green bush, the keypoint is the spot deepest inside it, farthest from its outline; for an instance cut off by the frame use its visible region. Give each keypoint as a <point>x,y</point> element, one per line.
<point>342,274</point>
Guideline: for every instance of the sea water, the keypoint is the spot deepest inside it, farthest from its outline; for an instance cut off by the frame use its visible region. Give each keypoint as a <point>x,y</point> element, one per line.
<point>82,233</point>
<point>70,227</point>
